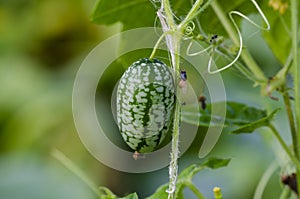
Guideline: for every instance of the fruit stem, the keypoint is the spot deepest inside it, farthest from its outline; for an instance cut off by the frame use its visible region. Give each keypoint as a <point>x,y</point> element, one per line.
<point>157,44</point>
<point>194,189</point>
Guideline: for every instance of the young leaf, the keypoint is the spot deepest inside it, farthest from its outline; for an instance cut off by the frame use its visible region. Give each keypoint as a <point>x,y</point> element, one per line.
<point>278,38</point>
<point>215,163</point>
<point>249,128</point>
<point>105,193</point>
<point>131,196</point>
<point>185,177</point>
<point>236,114</point>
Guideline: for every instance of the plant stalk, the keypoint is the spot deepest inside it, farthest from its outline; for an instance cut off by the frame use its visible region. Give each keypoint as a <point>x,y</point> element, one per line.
<point>191,14</point>
<point>296,71</point>
<point>166,7</point>
<point>296,62</point>
<point>286,192</point>
<point>194,189</point>
<point>173,168</point>
<point>284,146</point>
<point>289,111</point>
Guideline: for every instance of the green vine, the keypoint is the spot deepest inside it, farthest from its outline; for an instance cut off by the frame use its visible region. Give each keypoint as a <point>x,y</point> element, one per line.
<point>173,40</point>
<point>294,22</point>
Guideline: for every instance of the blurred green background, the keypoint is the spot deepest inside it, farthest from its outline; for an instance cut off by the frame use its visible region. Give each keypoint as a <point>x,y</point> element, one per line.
<point>42,44</point>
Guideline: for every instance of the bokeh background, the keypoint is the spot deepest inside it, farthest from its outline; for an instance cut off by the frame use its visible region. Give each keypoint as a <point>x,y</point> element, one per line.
<point>42,44</point>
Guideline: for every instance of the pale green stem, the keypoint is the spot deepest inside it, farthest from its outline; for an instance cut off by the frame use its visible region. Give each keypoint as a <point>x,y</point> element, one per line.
<point>194,189</point>
<point>294,12</point>
<point>284,146</point>
<point>173,168</point>
<point>289,111</point>
<point>191,14</point>
<point>245,55</point>
<point>157,44</point>
<point>261,186</point>
<point>169,14</point>
<point>73,168</point>
<point>296,62</point>
<point>285,193</point>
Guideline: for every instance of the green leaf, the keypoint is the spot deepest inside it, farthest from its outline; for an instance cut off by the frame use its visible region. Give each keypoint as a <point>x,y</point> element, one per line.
<point>132,14</point>
<point>160,192</point>
<point>249,128</point>
<point>278,38</point>
<point>215,163</point>
<point>105,193</point>
<point>185,177</point>
<point>236,114</point>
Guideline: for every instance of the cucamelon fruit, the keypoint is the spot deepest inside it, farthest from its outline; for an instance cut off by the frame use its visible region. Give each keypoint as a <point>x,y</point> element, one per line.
<point>145,104</point>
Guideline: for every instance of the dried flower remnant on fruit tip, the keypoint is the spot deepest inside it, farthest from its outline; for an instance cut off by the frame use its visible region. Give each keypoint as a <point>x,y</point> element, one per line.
<point>279,5</point>
<point>136,155</point>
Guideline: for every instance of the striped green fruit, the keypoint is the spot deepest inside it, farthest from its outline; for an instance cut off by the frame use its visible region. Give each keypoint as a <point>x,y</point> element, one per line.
<point>145,104</point>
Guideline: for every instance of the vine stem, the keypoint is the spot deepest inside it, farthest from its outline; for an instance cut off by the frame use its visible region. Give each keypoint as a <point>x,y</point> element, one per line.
<point>194,189</point>
<point>284,146</point>
<point>286,192</point>
<point>261,186</point>
<point>166,7</point>
<point>173,168</point>
<point>296,62</point>
<point>191,14</point>
<point>173,40</point>
<point>157,44</point>
<point>246,56</point>
<point>289,111</point>
<point>73,168</point>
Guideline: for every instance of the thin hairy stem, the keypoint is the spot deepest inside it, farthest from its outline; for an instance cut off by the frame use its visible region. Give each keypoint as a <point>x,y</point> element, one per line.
<point>173,167</point>
<point>166,7</point>
<point>191,14</point>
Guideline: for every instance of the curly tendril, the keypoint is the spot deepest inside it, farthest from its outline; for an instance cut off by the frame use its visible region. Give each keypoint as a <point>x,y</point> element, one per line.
<point>213,47</point>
